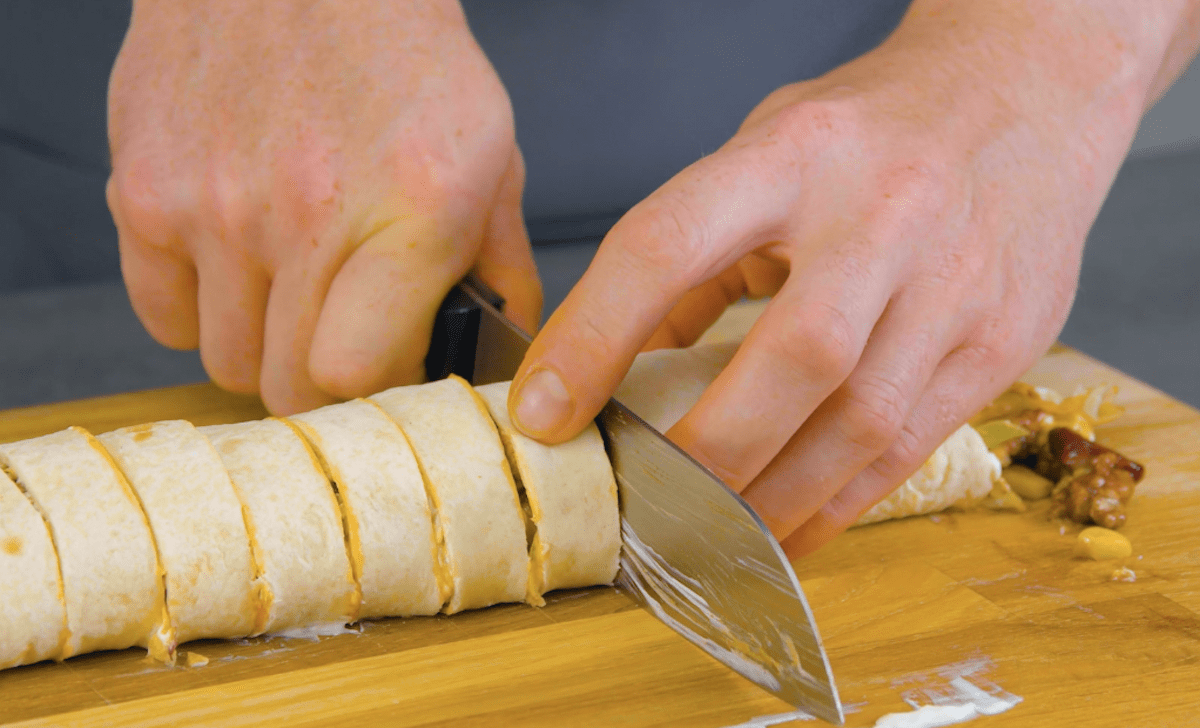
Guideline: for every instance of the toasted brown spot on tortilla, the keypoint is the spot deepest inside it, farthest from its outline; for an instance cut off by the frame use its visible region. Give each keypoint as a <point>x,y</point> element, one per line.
<point>13,545</point>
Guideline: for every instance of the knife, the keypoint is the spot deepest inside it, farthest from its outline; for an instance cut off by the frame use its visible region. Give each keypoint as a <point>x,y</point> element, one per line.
<point>694,555</point>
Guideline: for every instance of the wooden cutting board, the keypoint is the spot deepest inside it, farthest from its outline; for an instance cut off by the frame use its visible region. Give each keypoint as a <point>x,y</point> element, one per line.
<point>903,608</point>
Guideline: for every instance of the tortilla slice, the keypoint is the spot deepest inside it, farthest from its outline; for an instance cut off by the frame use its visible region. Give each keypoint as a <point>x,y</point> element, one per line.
<point>571,500</point>
<point>294,523</point>
<point>112,583</point>
<point>663,385</point>
<point>197,523</point>
<point>474,496</point>
<point>32,613</point>
<point>392,544</point>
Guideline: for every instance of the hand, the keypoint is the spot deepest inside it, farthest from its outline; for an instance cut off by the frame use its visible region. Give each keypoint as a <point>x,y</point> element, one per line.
<point>297,185</point>
<point>919,215</point>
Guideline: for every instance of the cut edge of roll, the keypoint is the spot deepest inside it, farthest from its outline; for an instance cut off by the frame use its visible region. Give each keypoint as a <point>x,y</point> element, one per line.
<point>346,519</point>
<point>528,508</point>
<point>441,570</point>
<point>64,634</point>
<point>161,641</point>
<point>349,519</point>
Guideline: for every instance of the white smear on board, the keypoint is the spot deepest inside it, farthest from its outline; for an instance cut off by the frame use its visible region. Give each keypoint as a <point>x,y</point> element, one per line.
<point>313,632</point>
<point>959,701</point>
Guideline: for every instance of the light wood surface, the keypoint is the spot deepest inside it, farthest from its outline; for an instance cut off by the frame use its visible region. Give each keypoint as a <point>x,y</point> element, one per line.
<point>897,603</point>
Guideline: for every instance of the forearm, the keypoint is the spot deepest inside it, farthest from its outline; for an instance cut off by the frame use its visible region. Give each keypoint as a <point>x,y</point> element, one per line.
<point>1134,49</point>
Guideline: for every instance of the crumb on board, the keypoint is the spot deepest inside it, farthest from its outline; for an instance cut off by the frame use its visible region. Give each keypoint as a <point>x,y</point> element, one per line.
<point>195,659</point>
<point>1124,574</point>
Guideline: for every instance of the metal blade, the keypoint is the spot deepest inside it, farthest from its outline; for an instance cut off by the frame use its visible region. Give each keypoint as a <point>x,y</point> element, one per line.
<point>695,555</point>
<point>701,561</point>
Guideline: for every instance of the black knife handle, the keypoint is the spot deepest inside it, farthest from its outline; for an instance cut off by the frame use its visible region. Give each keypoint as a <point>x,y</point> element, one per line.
<point>456,330</point>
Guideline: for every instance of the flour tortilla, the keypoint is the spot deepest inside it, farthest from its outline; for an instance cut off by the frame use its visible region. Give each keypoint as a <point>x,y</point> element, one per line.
<point>474,497</point>
<point>32,614</point>
<point>392,544</point>
<point>572,500</point>
<point>112,584</point>
<point>294,523</point>
<point>663,385</point>
<point>197,523</point>
<point>959,473</point>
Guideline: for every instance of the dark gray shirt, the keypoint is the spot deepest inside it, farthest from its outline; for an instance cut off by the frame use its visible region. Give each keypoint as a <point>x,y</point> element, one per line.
<point>611,99</point>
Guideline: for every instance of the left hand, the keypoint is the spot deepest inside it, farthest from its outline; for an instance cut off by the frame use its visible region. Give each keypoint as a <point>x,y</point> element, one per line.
<point>919,215</point>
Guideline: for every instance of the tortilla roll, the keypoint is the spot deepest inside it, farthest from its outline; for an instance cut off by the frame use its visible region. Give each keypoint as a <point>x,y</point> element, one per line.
<point>197,523</point>
<point>32,615</point>
<point>393,549</point>
<point>571,500</point>
<point>959,473</point>
<point>294,523</point>
<point>112,584</point>
<point>474,497</point>
<point>663,385</point>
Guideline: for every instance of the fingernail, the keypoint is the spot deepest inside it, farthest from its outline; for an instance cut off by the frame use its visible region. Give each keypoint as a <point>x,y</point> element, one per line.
<point>543,404</point>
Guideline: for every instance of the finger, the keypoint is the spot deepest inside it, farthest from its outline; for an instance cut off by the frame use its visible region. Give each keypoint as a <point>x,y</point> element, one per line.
<point>376,322</point>
<point>698,224</point>
<point>958,389</point>
<point>860,420</point>
<point>697,310</point>
<point>803,347</point>
<point>294,303</point>
<point>506,262</point>
<point>232,308</point>
<point>159,277</point>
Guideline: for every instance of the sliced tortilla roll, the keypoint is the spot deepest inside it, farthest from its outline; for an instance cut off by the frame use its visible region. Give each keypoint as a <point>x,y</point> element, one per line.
<point>392,544</point>
<point>33,619</point>
<point>294,523</point>
<point>663,385</point>
<point>571,497</point>
<point>474,497</point>
<point>112,584</point>
<point>197,523</point>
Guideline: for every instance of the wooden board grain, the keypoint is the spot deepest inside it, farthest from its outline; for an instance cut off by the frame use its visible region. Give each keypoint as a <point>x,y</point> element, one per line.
<point>900,605</point>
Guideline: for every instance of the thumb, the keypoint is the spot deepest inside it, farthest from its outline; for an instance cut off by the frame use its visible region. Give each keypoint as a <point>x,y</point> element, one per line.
<point>698,224</point>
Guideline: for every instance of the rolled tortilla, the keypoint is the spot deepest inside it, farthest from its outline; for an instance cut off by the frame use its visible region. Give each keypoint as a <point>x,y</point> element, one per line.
<point>197,523</point>
<point>961,471</point>
<point>571,501</point>
<point>294,523</point>
<point>474,497</point>
<point>379,485</point>
<point>33,619</point>
<point>112,585</point>
<point>663,385</point>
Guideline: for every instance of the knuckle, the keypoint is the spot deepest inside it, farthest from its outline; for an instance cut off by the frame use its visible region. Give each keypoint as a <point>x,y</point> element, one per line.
<point>815,123</point>
<point>229,207</point>
<point>667,238</point>
<point>307,184</point>
<point>820,344</point>
<point>135,198</point>
<point>990,348</point>
<point>874,414</point>
<point>906,453</point>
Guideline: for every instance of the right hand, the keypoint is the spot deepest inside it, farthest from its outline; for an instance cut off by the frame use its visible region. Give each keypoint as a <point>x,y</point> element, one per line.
<point>297,186</point>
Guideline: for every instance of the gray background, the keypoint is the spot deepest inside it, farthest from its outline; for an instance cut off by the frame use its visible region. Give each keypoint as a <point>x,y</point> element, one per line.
<point>611,99</point>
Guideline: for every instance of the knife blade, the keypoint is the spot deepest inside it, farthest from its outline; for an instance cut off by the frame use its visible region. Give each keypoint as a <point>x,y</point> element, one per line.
<point>694,554</point>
